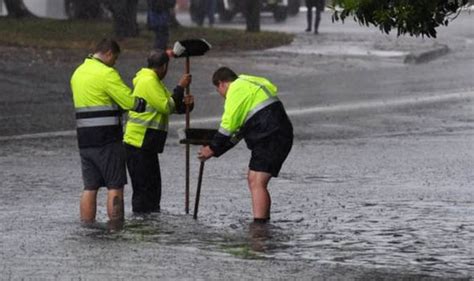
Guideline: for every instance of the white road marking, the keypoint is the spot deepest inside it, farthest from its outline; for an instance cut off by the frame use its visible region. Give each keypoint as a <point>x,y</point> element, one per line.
<point>382,103</point>
<point>352,106</point>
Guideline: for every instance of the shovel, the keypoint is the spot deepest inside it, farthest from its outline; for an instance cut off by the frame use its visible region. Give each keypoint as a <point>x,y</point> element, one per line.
<point>189,48</point>
<point>198,136</point>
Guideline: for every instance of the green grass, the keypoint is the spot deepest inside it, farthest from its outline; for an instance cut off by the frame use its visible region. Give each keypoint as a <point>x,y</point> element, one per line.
<point>75,34</point>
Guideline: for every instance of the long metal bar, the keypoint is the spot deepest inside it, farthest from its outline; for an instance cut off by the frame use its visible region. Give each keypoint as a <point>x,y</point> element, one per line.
<point>198,191</point>
<point>188,92</point>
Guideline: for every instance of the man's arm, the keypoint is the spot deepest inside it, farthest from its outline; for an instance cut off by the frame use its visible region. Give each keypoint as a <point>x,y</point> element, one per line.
<point>122,94</point>
<point>219,145</point>
<point>222,142</point>
<point>178,95</point>
<point>157,96</point>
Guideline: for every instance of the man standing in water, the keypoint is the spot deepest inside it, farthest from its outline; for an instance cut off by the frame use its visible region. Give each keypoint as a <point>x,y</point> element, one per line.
<point>146,132</point>
<point>99,96</point>
<point>252,111</point>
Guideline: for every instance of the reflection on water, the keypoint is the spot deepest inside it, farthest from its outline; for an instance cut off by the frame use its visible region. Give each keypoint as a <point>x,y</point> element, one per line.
<point>355,240</point>
<point>260,241</point>
<point>249,241</point>
<point>259,236</point>
<point>111,226</point>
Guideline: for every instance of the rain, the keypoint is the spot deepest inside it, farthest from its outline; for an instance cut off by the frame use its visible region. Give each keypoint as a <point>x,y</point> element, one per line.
<point>378,184</point>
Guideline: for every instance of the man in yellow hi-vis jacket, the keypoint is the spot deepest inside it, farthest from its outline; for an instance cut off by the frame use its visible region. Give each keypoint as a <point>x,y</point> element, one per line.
<point>100,96</point>
<point>145,133</point>
<point>252,111</point>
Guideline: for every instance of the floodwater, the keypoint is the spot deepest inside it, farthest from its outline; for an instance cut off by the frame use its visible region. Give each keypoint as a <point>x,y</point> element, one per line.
<point>378,185</point>
<point>379,208</point>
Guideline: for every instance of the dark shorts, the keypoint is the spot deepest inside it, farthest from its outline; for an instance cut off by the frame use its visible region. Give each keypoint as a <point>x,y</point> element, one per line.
<point>269,154</point>
<point>103,166</point>
<point>319,4</point>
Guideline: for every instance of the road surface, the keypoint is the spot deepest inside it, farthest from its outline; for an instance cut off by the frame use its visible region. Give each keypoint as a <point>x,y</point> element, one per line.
<point>378,185</point>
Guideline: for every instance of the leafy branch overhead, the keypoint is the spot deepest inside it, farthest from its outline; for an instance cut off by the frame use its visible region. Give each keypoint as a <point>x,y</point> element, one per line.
<point>414,17</point>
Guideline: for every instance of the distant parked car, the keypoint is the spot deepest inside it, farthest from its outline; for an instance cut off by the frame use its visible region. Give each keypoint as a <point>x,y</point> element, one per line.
<point>227,9</point>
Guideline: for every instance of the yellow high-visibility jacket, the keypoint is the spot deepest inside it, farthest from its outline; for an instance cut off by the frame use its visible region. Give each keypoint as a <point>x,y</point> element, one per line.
<point>148,130</point>
<point>252,111</point>
<point>245,96</point>
<point>99,95</point>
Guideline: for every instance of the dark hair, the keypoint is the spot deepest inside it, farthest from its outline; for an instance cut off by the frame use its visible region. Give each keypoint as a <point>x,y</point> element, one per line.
<point>106,45</point>
<point>157,58</point>
<point>223,74</point>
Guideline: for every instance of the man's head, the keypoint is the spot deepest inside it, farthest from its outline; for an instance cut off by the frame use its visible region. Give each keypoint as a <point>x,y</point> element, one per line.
<point>222,78</point>
<point>107,50</point>
<point>158,61</point>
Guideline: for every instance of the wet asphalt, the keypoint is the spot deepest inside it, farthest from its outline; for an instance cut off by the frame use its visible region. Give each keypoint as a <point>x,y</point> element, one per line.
<point>378,185</point>
<point>379,208</point>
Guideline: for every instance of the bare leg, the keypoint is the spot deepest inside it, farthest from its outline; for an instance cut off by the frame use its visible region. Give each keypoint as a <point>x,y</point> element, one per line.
<point>115,204</point>
<point>261,201</point>
<point>88,206</point>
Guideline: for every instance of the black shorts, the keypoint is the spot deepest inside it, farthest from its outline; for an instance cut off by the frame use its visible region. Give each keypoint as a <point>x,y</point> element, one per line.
<point>319,4</point>
<point>103,166</point>
<point>269,154</point>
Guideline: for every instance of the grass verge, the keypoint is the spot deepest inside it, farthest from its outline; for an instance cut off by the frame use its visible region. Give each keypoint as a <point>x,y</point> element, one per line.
<point>75,34</point>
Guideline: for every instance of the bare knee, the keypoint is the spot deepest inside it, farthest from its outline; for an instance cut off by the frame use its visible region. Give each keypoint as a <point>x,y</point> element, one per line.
<point>258,179</point>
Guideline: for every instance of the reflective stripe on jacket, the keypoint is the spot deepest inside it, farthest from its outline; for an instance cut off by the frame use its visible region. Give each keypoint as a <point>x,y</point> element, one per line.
<point>99,94</point>
<point>148,130</point>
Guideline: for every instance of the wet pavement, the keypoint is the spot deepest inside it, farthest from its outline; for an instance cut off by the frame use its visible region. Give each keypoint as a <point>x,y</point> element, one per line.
<point>379,208</point>
<point>350,39</point>
<point>378,185</point>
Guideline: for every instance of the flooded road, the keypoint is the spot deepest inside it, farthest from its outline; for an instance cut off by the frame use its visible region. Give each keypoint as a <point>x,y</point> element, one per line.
<point>385,207</point>
<point>378,186</point>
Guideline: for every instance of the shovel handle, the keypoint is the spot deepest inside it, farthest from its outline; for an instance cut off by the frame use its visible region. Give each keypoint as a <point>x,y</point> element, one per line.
<point>198,191</point>
<point>187,179</point>
<point>187,71</point>
<point>187,92</point>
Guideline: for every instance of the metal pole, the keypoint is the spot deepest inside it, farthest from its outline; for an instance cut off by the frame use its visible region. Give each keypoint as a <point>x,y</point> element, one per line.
<point>188,67</point>
<point>198,191</point>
